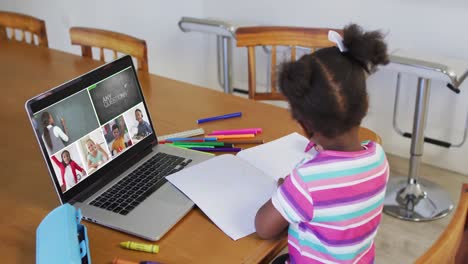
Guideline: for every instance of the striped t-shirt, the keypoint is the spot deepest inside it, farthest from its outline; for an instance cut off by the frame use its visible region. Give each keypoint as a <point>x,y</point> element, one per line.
<point>333,203</point>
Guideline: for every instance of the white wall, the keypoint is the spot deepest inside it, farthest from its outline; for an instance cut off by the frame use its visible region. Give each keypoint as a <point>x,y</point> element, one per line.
<point>428,26</point>
<point>171,53</point>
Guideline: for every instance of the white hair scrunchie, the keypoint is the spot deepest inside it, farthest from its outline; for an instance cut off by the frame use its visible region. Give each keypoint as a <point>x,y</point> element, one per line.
<point>336,38</point>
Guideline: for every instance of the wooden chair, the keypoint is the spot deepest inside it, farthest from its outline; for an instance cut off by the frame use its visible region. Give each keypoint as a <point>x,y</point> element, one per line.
<point>367,134</point>
<point>104,39</point>
<point>252,37</point>
<point>23,24</point>
<point>452,245</point>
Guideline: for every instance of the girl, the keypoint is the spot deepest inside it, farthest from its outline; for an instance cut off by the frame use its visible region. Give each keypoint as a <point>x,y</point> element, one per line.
<point>53,135</point>
<point>332,203</point>
<point>96,154</point>
<point>68,168</point>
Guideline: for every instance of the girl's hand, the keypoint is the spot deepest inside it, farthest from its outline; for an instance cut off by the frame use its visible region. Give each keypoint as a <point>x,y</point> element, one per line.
<point>64,125</point>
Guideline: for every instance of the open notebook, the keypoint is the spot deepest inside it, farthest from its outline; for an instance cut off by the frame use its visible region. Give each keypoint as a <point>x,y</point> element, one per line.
<point>230,189</point>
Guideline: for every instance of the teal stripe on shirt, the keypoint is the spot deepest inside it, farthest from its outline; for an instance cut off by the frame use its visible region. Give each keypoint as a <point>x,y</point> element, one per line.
<point>342,172</point>
<point>322,249</point>
<point>337,218</point>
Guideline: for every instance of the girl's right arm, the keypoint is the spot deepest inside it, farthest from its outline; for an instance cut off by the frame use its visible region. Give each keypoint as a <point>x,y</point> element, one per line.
<point>60,165</point>
<point>56,161</point>
<point>59,132</point>
<point>64,125</point>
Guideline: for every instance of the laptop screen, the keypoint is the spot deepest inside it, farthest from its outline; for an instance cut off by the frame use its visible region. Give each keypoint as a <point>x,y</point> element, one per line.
<point>84,132</point>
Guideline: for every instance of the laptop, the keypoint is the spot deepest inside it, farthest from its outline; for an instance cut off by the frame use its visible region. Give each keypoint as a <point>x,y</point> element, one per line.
<point>102,152</point>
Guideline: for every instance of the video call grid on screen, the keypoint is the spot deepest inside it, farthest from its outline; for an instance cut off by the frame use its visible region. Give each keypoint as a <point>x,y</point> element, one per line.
<point>114,100</point>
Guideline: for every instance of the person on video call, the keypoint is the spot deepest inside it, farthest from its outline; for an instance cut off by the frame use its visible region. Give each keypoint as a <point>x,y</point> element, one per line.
<point>96,154</point>
<point>123,131</point>
<point>53,135</point>
<point>143,126</point>
<point>119,142</point>
<point>68,168</point>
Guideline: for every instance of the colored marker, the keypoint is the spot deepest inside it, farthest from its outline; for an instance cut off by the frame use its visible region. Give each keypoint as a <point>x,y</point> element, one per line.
<point>124,261</point>
<point>235,136</point>
<point>218,149</point>
<point>209,143</point>
<point>202,146</point>
<point>221,117</point>
<point>192,139</point>
<point>206,153</point>
<point>186,144</point>
<point>237,131</point>
<point>170,141</point>
<point>151,248</point>
<point>226,145</point>
<point>232,133</point>
<point>193,146</point>
<point>257,130</point>
<point>246,141</point>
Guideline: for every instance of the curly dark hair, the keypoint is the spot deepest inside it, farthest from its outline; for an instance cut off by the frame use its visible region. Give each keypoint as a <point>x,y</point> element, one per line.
<point>61,155</point>
<point>326,90</point>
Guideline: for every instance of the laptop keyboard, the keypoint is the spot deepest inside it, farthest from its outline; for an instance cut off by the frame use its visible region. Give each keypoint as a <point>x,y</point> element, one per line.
<point>130,191</point>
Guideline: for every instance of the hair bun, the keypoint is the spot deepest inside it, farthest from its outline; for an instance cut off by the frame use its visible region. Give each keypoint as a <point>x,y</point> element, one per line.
<point>368,48</point>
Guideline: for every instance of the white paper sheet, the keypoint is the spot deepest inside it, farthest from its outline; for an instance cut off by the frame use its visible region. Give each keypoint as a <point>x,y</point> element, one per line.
<point>228,190</point>
<point>278,157</point>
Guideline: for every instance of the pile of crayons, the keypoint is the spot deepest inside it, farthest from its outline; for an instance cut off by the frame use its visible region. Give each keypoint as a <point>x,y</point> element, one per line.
<point>218,140</point>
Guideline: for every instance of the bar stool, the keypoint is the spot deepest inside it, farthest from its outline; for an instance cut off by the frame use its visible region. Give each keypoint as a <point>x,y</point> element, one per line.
<point>225,33</point>
<point>413,198</point>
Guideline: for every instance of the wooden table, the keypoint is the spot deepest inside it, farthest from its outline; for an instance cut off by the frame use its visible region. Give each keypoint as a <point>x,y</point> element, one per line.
<point>26,190</point>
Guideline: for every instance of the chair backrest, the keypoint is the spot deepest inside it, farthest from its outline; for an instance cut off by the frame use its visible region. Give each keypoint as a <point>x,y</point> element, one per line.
<point>251,37</point>
<point>23,24</point>
<point>449,248</point>
<point>367,134</point>
<point>116,42</point>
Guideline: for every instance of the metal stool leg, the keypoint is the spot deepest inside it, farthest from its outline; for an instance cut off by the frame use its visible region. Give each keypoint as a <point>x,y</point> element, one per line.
<point>224,60</point>
<point>413,198</point>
